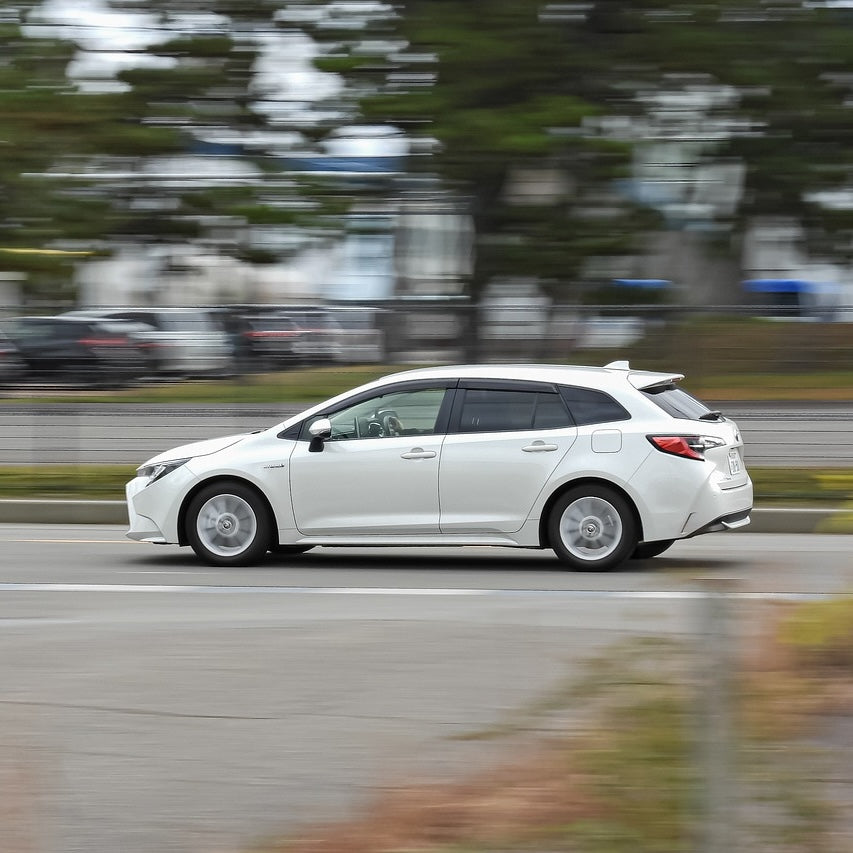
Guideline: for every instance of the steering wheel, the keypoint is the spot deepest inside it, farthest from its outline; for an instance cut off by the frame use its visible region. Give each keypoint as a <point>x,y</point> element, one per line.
<point>391,425</point>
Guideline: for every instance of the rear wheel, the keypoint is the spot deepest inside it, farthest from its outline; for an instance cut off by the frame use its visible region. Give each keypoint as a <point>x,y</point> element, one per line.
<point>647,550</point>
<point>228,525</point>
<point>592,528</point>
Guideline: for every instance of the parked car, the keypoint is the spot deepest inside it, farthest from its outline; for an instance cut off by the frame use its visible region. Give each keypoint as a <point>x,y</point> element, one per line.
<point>260,339</point>
<point>320,342</point>
<point>361,337</point>
<point>600,464</point>
<point>77,350</point>
<point>12,366</point>
<point>182,341</point>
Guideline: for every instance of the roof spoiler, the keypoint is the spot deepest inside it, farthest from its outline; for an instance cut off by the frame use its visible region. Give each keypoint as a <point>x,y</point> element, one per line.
<point>644,379</point>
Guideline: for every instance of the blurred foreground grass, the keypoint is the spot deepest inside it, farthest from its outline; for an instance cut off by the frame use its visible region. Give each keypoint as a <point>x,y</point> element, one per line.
<point>619,770</point>
<point>773,486</point>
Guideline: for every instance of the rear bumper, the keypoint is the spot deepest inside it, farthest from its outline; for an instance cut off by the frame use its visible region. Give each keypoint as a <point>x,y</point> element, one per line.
<point>732,521</point>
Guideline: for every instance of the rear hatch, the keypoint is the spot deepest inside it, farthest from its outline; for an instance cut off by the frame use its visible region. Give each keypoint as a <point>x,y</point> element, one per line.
<point>719,438</point>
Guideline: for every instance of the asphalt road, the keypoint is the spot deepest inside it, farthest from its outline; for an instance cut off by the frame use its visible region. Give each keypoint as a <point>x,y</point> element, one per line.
<point>819,434</point>
<point>151,704</point>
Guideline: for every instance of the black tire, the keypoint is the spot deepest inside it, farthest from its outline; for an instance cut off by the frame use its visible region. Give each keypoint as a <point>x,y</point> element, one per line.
<point>647,550</point>
<point>228,524</point>
<point>592,528</point>
<point>289,549</point>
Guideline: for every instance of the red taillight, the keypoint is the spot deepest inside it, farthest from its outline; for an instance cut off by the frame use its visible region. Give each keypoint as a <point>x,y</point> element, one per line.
<point>270,334</point>
<point>678,445</point>
<point>103,342</point>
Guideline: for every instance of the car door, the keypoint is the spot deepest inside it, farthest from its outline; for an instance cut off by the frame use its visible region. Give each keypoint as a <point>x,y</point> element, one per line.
<point>504,441</point>
<point>377,474</point>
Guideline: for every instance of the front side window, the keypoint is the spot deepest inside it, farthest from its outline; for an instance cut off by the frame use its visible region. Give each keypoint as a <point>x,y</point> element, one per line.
<point>412,413</point>
<point>504,410</point>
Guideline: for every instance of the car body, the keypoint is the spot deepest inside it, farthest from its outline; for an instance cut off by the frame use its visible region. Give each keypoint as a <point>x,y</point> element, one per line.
<point>77,350</point>
<point>600,464</point>
<point>181,341</point>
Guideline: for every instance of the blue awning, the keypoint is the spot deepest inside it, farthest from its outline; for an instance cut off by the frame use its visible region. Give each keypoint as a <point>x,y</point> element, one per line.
<point>778,285</point>
<point>643,283</point>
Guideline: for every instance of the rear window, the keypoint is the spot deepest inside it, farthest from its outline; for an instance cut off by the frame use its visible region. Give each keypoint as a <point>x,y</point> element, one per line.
<point>676,402</point>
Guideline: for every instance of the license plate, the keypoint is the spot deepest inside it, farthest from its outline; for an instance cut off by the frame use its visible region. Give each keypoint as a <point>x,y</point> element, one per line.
<point>734,462</point>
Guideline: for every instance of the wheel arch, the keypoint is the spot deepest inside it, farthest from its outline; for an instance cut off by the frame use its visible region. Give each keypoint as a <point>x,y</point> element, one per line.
<point>544,538</point>
<point>222,478</point>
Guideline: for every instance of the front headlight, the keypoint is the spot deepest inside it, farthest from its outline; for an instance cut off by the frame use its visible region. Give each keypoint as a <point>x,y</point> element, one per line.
<point>154,472</point>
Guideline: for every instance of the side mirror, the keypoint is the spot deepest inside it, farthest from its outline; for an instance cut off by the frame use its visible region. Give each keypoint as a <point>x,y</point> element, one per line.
<point>319,431</point>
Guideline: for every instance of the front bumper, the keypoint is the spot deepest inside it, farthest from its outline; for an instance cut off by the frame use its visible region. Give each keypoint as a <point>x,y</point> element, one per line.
<point>142,528</point>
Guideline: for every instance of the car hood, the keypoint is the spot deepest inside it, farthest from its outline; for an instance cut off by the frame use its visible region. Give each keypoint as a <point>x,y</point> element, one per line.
<point>197,448</point>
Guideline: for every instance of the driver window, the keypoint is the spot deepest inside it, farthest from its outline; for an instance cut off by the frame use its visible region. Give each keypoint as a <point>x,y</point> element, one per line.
<point>400,413</point>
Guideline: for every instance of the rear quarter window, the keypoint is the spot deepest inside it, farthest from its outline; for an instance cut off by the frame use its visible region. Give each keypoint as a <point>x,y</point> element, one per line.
<point>589,406</point>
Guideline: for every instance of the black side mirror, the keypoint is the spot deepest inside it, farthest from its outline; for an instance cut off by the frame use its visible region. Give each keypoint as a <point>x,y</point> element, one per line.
<point>319,431</point>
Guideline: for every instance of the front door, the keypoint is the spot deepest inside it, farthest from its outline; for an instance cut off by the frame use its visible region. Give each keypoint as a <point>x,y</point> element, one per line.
<point>377,473</point>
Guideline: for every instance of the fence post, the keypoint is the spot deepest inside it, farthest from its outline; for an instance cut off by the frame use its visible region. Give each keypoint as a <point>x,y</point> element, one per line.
<point>717,779</point>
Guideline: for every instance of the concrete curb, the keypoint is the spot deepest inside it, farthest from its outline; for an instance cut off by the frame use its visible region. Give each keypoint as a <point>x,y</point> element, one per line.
<point>764,520</point>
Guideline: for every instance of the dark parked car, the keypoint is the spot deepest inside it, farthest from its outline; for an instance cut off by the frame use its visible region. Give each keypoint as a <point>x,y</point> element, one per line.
<point>11,364</point>
<point>77,351</point>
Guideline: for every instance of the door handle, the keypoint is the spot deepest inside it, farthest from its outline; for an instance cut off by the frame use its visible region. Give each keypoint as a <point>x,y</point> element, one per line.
<point>539,447</point>
<point>418,453</point>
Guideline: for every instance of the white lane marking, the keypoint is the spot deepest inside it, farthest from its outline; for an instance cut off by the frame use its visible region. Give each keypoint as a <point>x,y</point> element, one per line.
<point>383,591</point>
<point>72,541</point>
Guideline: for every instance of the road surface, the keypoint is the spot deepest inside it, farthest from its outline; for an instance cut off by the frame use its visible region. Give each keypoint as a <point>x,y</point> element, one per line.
<point>154,705</point>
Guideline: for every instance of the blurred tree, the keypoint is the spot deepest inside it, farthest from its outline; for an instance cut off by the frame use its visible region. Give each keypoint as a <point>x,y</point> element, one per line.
<point>488,88</point>
<point>504,85</point>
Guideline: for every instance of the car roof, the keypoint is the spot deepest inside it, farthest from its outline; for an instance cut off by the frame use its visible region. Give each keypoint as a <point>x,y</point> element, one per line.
<point>613,375</point>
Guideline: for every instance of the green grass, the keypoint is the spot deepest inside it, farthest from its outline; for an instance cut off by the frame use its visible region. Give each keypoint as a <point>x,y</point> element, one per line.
<point>773,486</point>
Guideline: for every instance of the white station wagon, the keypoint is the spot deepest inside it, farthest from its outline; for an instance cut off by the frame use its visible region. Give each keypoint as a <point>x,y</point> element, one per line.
<point>601,464</point>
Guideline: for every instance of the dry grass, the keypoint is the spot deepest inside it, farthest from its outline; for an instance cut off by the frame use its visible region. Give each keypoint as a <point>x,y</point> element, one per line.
<point>506,808</point>
<point>627,783</point>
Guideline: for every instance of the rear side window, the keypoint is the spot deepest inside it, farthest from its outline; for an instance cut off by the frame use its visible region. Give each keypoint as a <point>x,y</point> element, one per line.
<point>676,402</point>
<point>592,407</point>
<point>504,410</point>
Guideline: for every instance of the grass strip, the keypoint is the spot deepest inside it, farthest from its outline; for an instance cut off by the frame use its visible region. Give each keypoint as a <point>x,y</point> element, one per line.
<point>773,486</point>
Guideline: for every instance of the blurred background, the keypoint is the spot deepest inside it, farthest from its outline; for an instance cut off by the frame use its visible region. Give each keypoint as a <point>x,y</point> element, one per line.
<point>367,182</point>
<point>212,214</point>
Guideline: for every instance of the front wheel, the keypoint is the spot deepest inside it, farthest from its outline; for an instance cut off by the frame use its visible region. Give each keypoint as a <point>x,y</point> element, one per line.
<point>228,525</point>
<point>592,528</point>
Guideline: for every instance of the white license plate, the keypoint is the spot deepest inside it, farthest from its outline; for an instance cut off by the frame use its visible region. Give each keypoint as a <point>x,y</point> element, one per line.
<point>734,462</point>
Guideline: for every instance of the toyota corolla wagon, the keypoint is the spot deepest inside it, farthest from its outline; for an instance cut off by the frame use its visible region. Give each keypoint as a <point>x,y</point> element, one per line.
<point>600,464</point>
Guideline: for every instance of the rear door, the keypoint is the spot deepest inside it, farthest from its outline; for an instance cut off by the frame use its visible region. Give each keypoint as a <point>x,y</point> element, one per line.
<point>504,442</point>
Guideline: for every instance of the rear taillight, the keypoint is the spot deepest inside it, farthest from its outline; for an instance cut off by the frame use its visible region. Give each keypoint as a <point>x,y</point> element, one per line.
<point>688,446</point>
<point>103,342</point>
<point>271,334</point>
